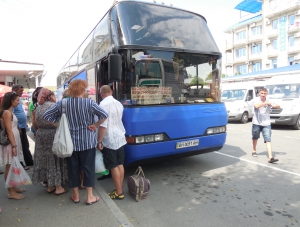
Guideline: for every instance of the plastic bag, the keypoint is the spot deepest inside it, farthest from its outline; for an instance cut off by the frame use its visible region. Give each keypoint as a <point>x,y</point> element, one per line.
<point>99,164</point>
<point>62,144</point>
<point>16,175</point>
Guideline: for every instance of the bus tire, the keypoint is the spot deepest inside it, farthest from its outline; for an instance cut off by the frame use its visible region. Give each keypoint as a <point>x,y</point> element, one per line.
<point>244,118</point>
<point>297,124</point>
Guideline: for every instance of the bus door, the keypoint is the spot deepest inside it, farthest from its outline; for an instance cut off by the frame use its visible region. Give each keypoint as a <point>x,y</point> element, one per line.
<point>101,76</point>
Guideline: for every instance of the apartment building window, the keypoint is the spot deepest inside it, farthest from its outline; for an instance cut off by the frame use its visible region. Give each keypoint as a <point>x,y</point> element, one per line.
<point>275,24</point>
<point>256,49</point>
<point>274,63</point>
<point>241,35</point>
<point>274,44</point>
<point>291,60</point>
<point>291,19</point>
<point>256,67</point>
<point>242,69</point>
<point>291,41</point>
<point>241,52</point>
<point>256,30</point>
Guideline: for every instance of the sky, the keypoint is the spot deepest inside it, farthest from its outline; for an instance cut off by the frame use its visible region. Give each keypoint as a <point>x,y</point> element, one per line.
<point>49,31</point>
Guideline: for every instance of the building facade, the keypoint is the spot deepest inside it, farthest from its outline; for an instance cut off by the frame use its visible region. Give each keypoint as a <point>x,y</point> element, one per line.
<point>269,37</point>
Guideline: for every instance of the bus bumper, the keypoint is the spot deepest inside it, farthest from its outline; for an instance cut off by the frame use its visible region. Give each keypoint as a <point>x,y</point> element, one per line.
<point>162,151</point>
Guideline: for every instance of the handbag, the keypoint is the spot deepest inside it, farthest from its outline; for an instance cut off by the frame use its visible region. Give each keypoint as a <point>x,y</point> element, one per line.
<point>16,175</point>
<point>62,145</point>
<point>138,185</point>
<point>99,164</point>
<point>4,140</point>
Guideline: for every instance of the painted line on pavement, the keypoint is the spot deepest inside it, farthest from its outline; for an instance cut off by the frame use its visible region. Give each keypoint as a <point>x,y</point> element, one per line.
<point>246,131</point>
<point>275,168</point>
<point>120,216</point>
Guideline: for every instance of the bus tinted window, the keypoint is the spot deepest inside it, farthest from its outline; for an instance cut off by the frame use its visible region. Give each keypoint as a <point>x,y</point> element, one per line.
<point>86,52</point>
<point>145,24</point>
<point>101,38</point>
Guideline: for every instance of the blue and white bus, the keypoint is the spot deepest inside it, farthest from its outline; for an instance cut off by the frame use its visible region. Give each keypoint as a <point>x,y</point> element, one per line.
<point>165,68</point>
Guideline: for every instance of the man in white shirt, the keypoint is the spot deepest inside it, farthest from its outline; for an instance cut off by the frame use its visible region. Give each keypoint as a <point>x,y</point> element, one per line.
<point>111,140</point>
<point>261,122</point>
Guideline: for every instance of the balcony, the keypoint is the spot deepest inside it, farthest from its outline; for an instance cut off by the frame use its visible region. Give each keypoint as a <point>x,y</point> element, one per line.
<point>228,63</point>
<point>240,60</point>
<point>272,33</point>
<point>255,38</point>
<point>283,8</point>
<point>272,53</point>
<point>239,43</point>
<point>255,57</point>
<point>228,46</point>
<point>294,28</point>
<point>294,49</point>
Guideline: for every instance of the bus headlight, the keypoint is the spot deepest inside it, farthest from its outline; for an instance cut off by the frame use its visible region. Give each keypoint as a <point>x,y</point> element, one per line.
<point>149,138</point>
<point>216,130</point>
<point>159,137</point>
<point>145,139</point>
<point>140,139</point>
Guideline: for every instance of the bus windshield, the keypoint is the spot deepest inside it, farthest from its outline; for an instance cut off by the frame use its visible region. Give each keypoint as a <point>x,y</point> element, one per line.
<point>283,91</point>
<point>157,77</point>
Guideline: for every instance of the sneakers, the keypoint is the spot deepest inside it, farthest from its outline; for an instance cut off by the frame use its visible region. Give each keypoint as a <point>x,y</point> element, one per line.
<point>254,154</point>
<point>114,195</point>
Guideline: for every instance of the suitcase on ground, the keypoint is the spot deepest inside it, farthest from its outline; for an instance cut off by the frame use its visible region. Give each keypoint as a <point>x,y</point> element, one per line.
<point>138,185</point>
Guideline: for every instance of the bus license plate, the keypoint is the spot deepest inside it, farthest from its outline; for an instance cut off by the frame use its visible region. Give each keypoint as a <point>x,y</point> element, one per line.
<point>190,143</point>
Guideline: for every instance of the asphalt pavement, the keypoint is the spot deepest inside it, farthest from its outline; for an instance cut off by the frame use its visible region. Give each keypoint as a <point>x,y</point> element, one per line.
<point>39,208</point>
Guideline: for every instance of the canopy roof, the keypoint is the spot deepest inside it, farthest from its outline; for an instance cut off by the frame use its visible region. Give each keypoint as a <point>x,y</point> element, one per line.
<point>250,6</point>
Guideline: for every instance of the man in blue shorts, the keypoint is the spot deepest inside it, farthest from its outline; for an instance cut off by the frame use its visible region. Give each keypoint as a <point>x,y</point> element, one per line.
<point>111,140</point>
<point>261,122</point>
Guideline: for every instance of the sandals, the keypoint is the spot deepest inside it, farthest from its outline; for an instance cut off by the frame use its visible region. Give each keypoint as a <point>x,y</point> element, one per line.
<point>10,196</point>
<point>44,183</point>
<point>65,191</point>
<point>114,195</point>
<point>254,154</point>
<point>72,197</point>
<point>91,203</point>
<point>273,160</point>
<point>19,190</point>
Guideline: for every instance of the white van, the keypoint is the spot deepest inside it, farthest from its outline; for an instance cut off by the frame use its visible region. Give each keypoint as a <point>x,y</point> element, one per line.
<point>238,99</point>
<point>285,91</point>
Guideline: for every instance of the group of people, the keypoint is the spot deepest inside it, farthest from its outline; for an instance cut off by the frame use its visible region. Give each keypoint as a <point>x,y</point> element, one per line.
<point>91,126</point>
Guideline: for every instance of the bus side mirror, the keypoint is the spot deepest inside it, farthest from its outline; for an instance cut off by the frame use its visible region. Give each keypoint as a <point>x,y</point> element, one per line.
<point>114,67</point>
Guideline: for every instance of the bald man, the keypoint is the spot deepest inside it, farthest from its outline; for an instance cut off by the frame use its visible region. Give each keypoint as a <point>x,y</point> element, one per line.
<point>111,140</point>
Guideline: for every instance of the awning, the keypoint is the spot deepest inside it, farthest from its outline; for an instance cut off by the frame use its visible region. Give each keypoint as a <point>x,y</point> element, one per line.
<point>250,6</point>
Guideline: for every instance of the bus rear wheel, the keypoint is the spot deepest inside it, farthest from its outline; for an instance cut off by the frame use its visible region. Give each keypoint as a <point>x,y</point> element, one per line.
<point>244,118</point>
<point>297,124</point>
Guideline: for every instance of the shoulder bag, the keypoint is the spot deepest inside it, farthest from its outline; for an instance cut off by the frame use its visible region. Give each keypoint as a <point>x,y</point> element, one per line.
<point>4,140</point>
<point>62,145</point>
